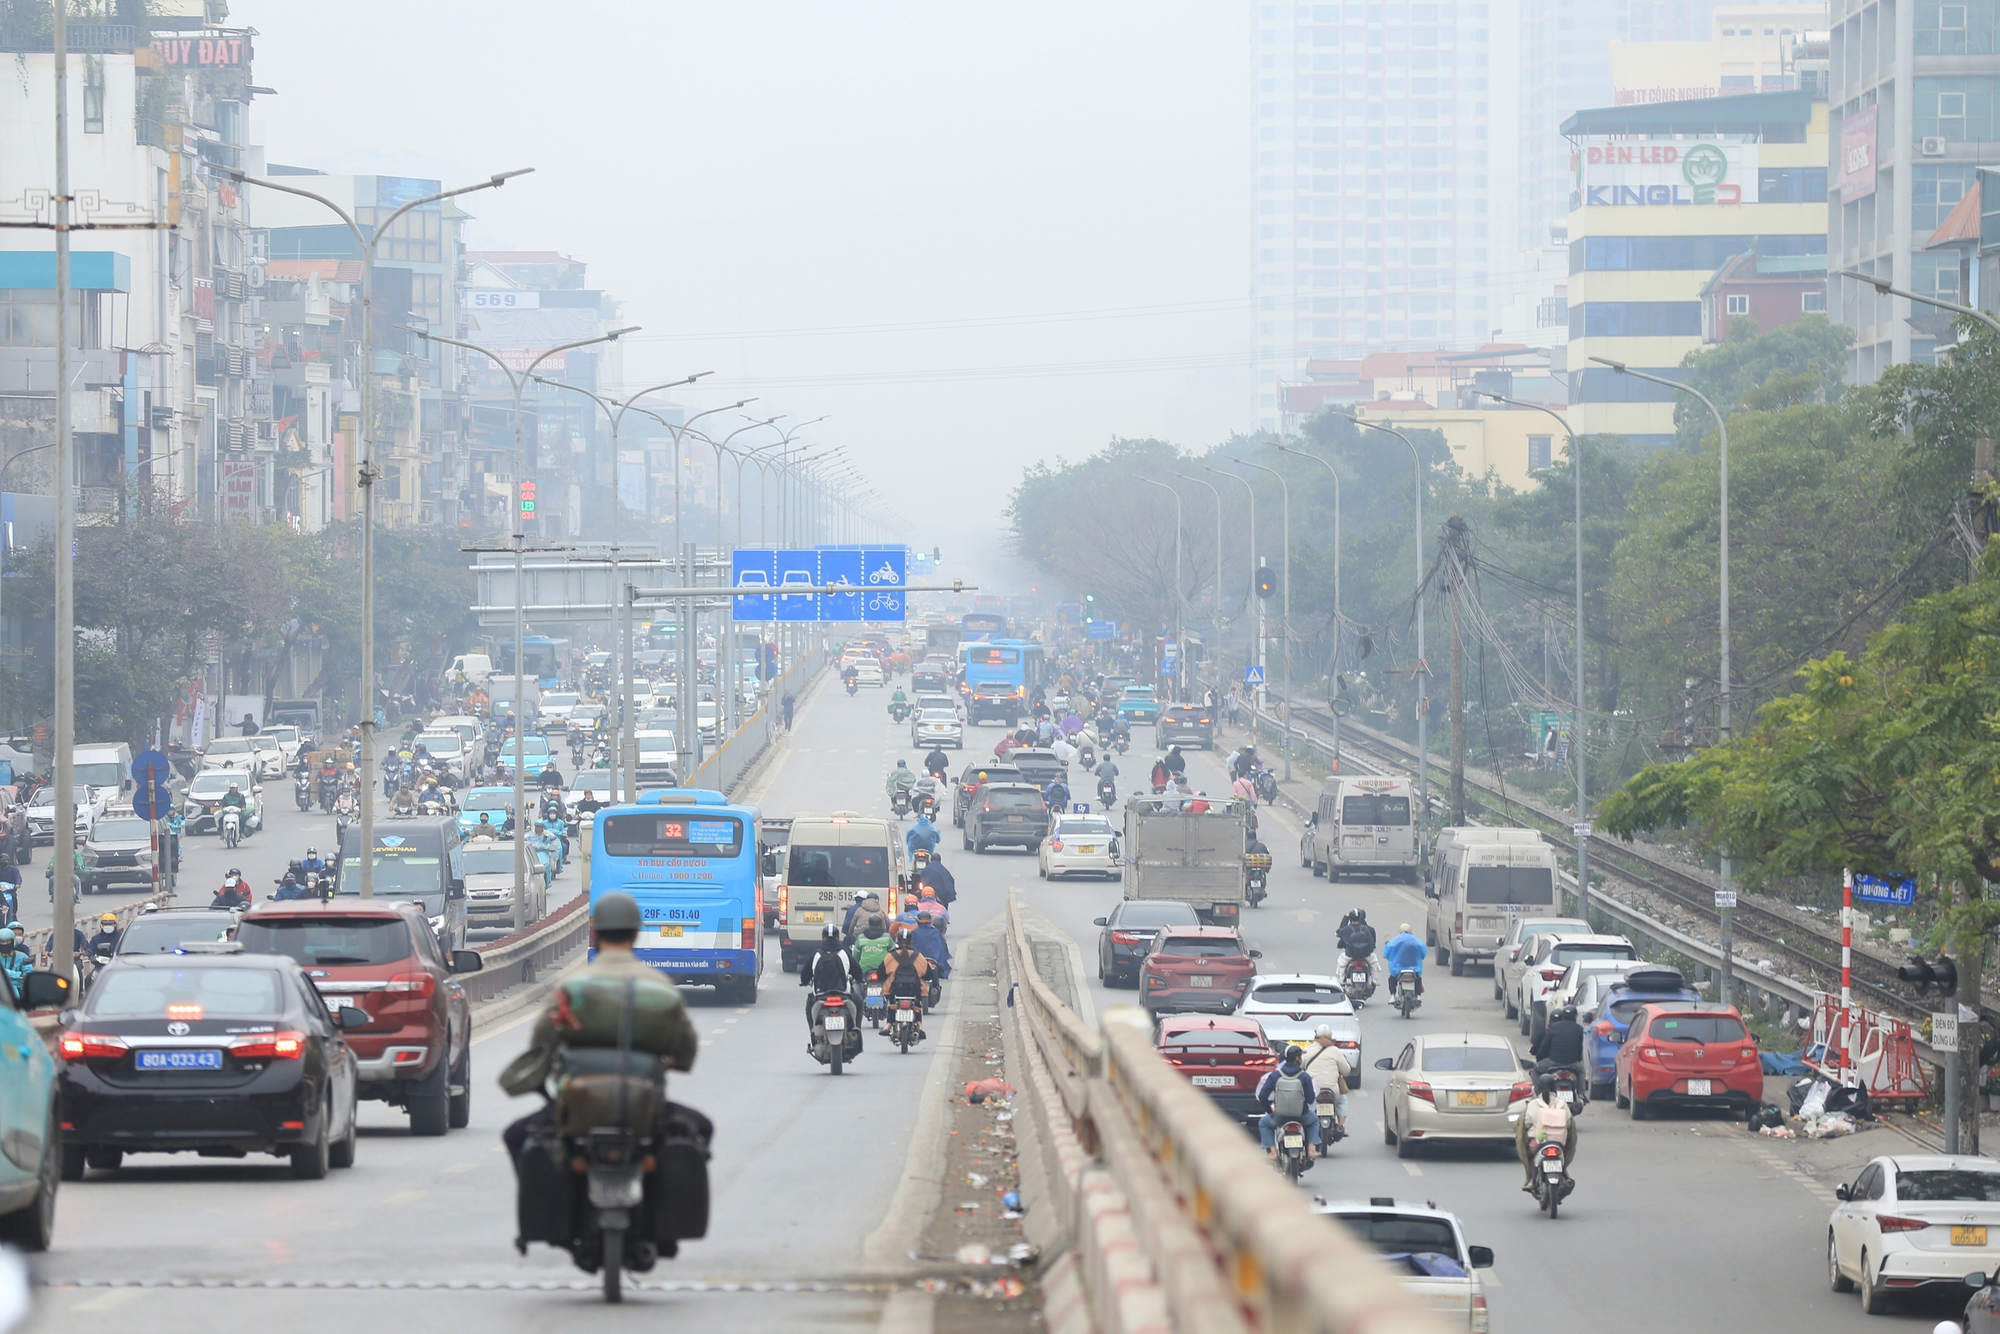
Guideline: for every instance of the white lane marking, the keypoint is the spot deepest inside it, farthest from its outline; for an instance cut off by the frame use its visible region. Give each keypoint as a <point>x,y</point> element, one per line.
<point>1413,1169</point>
<point>406,1197</point>
<point>110,1300</point>
<point>527,1015</point>
<point>461,1167</point>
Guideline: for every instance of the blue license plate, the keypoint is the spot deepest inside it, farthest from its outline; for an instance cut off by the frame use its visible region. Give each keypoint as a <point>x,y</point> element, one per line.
<point>179,1060</point>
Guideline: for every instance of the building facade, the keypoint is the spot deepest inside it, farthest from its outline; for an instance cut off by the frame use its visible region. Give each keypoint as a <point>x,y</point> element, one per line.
<point>1664,195</point>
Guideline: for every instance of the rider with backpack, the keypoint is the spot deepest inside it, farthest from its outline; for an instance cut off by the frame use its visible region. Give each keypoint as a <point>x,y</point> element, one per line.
<point>1288,1094</point>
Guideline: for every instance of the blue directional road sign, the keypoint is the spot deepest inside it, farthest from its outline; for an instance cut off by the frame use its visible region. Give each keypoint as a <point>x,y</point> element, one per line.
<point>753,567</point>
<point>1103,629</point>
<point>883,567</point>
<point>1253,675</point>
<point>150,798</point>
<point>1871,889</point>
<point>797,569</point>
<point>844,567</point>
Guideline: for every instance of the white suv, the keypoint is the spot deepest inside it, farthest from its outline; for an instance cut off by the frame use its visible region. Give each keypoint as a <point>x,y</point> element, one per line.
<point>1552,958</point>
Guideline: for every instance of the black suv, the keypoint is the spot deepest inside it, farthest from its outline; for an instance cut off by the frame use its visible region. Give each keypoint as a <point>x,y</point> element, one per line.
<point>1186,722</point>
<point>966,791</point>
<point>1006,813</point>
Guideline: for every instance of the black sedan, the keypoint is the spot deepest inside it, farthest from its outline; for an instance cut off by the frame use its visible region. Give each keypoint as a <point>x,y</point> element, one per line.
<point>1128,935</point>
<point>209,1052</point>
<point>1006,813</point>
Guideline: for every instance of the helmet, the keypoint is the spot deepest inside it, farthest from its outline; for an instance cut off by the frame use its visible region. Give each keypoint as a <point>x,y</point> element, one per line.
<point>902,764</point>
<point>1545,1084</point>
<point>234,870</point>
<point>1294,1053</point>
<point>832,932</point>
<point>294,864</point>
<point>615,912</point>
<point>1360,915</point>
<point>1567,1012</point>
<point>312,852</point>
<point>108,917</point>
<point>860,896</point>
<point>1324,1031</point>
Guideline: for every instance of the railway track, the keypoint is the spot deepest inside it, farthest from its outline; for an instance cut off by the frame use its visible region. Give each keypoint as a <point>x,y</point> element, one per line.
<point>1807,952</point>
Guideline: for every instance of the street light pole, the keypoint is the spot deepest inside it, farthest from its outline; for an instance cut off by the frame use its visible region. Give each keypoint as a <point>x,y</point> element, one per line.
<point>1180,647</point>
<point>517,538</point>
<point>686,730</point>
<point>1423,661</point>
<point>1250,588</point>
<point>1338,627</point>
<point>1577,724</point>
<point>1284,574</point>
<point>621,625</point>
<point>367,474</point>
<point>1217,599</point>
<point>1883,287</point>
<point>1726,897</point>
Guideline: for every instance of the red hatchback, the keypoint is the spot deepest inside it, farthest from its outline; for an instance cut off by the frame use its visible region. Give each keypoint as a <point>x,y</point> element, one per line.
<point>1201,968</point>
<point>1223,1057</point>
<point>1680,1055</point>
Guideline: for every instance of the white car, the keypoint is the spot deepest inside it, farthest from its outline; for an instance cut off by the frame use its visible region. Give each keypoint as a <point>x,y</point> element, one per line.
<point>1079,845</point>
<point>1424,1244</point>
<point>1552,957</point>
<point>868,672</point>
<point>1571,990</point>
<point>555,708</point>
<point>244,755</point>
<point>936,727</point>
<point>1518,941</point>
<point>1291,1006</point>
<point>289,739</point>
<point>1914,1223</point>
<point>926,702</point>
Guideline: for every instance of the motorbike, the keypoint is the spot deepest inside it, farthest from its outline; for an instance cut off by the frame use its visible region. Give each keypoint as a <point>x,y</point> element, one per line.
<point>852,685</point>
<point>233,894</point>
<point>1357,981</point>
<point>927,806</point>
<point>1107,792</point>
<point>1267,786</point>
<point>1551,1181</point>
<point>230,825</point>
<point>1256,872</point>
<point>899,712</point>
<point>836,1032</point>
<point>302,792</point>
<point>1404,988</point>
<point>327,788</point>
<point>1330,1132</point>
<point>899,803</point>
<point>1122,741</point>
<point>1086,755</point>
<point>904,1022</point>
<point>1568,1088</point>
<point>431,806</point>
<point>1294,1154</point>
<point>874,1008</point>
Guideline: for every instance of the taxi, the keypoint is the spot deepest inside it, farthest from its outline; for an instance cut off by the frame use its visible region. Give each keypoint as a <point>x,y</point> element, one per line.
<point>1080,845</point>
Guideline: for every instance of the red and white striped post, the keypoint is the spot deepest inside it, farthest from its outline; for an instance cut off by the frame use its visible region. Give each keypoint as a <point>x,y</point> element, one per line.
<point>1846,961</point>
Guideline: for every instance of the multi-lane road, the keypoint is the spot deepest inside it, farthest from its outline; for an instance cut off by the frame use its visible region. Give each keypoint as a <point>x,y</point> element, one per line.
<point>1674,1224</point>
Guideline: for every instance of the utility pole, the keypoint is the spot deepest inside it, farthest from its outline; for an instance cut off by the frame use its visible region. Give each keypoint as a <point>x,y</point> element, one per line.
<point>1457,549</point>
<point>63,931</point>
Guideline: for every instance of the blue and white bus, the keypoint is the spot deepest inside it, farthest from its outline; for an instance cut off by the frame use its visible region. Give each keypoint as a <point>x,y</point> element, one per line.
<point>691,860</point>
<point>998,678</point>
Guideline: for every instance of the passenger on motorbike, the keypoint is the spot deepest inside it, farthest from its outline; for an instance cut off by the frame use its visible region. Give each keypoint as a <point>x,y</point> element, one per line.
<point>900,780</point>
<point>904,973</point>
<point>832,972</point>
<point>1057,795</point>
<point>923,834</point>
<point>235,891</point>
<point>1288,1094</point>
<point>1357,938</point>
<point>1405,954</point>
<point>291,888</point>
<point>927,786</point>
<point>1544,1118</point>
<point>1176,762</point>
<point>1330,1069</point>
<point>929,941</point>
<point>1162,777</point>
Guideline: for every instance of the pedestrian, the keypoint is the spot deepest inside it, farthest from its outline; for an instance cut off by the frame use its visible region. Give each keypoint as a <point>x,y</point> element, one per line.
<point>788,703</point>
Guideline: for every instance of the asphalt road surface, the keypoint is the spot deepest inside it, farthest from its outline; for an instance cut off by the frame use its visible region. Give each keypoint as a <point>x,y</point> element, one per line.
<point>1675,1224</point>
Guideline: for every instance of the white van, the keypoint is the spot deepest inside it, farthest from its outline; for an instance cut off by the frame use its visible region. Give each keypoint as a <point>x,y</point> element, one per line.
<point>470,669</point>
<point>106,769</point>
<point>1484,879</point>
<point>1364,825</point>
<point>828,858</point>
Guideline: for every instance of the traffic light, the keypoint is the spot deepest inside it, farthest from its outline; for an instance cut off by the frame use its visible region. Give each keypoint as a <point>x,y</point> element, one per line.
<point>1924,975</point>
<point>527,499</point>
<point>1267,581</point>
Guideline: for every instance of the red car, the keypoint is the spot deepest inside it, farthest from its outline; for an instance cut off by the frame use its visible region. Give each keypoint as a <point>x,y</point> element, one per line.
<point>1224,1057</point>
<point>381,956</point>
<point>1681,1055</point>
<point>1201,968</point>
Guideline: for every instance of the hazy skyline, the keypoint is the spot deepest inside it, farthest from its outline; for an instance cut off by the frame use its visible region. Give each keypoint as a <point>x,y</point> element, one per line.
<point>977,238</point>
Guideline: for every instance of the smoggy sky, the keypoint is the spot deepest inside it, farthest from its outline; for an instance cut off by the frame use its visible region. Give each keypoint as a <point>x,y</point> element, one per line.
<point>976,235</point>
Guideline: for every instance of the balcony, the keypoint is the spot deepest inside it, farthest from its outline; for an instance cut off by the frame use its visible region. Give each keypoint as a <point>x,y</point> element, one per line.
<point>20,34</point>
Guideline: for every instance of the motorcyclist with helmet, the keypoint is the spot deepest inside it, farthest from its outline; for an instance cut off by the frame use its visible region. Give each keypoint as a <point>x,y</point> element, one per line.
<point>1288,1094</point>
<point>900,780</point>
<point>235,891</point>
<point>906,972</point>
<point>1405,954</point>
<point>1357,938</point>
<point>935,763</point>
<point>1561,1047</point>
<point>313,865</point>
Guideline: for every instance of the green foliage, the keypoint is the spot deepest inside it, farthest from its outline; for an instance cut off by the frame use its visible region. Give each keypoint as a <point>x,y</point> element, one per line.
<point>1793,364</point>
<point>1941,411</point>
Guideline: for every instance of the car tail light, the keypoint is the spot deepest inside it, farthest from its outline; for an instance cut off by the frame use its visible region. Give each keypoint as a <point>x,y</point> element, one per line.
<point>1345,1045</point>
<point>1458,923</point>
<point>285,1046</point>
<point>1156,981</point>
<point>1420,1089</point>
<point>1649,1053</point>
<point>1893,1223</point>
<point>1126,938</point>
<point>784,903</point>
<point>415,984</point>
<point>91,1046</point>
<point>1552,974</point>
<point>1261,1060</point>
<point>1749,1053</point>
<point>1522,1092</point>
<point>1055,845</point>
<point>1481,1322</point>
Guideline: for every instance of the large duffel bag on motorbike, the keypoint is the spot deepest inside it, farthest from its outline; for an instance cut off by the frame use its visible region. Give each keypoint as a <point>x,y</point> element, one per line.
<point>678,1187</point>
<point>590,1009</point>
<point>545,1189</point>
<point>602,1086</point>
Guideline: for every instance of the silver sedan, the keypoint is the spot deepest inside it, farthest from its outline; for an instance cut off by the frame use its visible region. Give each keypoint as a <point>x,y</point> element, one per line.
<point>1451,1086</point>
<point>937,727</point>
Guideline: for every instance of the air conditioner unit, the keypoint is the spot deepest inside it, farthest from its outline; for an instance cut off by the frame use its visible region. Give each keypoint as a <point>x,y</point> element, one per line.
<point>1933,147</point>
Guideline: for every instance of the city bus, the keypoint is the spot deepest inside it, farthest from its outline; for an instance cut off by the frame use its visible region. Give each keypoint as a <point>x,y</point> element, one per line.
<point>999,677</point>
<point>691,860</point>
<point>547,658</point>
<point>982,625</point>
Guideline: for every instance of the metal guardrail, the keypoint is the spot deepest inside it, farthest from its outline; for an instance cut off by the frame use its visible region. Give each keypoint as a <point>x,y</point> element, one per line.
<point>1230,1245</point>
<point>525,955</point>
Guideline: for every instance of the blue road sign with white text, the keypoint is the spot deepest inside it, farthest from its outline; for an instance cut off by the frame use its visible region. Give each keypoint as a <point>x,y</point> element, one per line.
<point>1102,630</point>
<point>870,571</point>
<point>1872,889</point>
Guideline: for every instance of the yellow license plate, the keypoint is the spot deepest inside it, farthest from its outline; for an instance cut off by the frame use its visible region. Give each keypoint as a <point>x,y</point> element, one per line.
<point>1968,1236</point>
<point>671,930</point>
<point>1087,850</point>
<point>1471,1099</point>
<point>812,917</point>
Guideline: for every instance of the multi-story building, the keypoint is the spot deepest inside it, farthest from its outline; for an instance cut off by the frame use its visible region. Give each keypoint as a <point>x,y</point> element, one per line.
<point>1915,91</point>
<point>1665,194</point>
<point>1371,226</point>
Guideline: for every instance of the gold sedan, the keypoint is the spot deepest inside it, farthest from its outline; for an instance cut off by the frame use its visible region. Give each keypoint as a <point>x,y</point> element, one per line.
<point>1451,1086</point>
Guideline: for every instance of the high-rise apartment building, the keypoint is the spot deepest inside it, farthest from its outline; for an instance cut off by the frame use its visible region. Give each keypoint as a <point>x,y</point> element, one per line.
<point>1372,228</point>
<point>1915,93</point>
